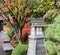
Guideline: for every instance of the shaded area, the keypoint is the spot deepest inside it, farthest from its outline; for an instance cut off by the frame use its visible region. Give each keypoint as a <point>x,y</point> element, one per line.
<point>0,1</point>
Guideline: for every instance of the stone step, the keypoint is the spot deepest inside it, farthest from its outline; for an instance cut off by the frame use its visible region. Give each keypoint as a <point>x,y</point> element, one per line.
<point>6,41</point>
<point>1,48</point>
<point>2,53</point>
<point>7,47</point>
<point>4,37</point>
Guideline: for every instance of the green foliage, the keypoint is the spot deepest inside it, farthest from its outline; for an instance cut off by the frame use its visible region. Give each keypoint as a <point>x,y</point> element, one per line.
<point>58,49</point>
<point>52,33</point>
<point>20,50</point>
<point>41,8</point>
<point>49,16</point>
<point>50,47</point>
<point>10,33</point>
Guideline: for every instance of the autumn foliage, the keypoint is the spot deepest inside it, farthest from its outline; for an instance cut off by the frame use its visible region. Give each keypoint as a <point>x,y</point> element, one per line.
<point>15,12</point>
<point>26,30</point>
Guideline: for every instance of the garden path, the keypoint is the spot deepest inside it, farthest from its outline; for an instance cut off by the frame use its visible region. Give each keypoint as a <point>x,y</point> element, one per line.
<point>1,48</point>
<point>3,38</point>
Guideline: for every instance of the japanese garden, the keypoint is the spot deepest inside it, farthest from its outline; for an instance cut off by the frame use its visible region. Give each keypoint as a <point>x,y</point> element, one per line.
<point>29,27</point>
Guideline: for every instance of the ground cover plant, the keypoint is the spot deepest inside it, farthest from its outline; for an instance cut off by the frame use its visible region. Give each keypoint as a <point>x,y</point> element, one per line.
<point>53,37</point>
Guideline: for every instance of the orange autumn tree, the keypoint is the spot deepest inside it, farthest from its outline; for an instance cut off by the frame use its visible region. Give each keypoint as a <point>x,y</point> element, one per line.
<point>26,31</point>
<point>15,12</point>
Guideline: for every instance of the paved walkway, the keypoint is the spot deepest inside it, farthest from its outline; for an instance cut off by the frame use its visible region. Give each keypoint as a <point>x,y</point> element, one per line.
<point>4,37</point>
<point>1,44</point>
<point>4,43</point>
<point>1,48</point>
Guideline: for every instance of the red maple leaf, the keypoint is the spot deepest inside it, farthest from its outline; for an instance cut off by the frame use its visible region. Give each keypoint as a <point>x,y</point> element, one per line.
<point>26,30</point>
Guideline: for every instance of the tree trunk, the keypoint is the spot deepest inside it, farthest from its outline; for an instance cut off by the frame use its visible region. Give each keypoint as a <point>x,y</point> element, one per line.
<point>55,3</point>
<point>19,36</point>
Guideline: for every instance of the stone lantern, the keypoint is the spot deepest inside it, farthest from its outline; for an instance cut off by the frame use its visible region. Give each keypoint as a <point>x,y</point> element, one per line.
<point>37,38</point>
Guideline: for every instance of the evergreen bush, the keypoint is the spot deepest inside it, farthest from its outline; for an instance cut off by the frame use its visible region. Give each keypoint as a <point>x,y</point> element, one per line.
<point>52,44</point>
<point>20,50</point>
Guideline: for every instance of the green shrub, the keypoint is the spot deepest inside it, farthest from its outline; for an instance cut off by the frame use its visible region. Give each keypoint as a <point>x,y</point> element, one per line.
<point>20,50</point>
<point>41,8</point>
<point>52,33</point>
<point>50,47</point>
<point>58,49</point>
<point>10,33</point>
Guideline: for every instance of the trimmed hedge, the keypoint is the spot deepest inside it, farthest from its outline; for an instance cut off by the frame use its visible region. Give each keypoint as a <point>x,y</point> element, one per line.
<point>20,50</point>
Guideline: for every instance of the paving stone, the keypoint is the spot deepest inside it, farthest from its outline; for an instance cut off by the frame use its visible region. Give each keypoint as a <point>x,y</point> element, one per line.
<point>1,48</point>
<point>7,47</point>
<point>4,37</point>
<point>2,53</point>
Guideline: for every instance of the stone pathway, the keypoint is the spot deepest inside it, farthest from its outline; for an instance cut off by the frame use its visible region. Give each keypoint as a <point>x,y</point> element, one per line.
<point>1,48</point>
<point>3,38</point>
<point>5,43</point>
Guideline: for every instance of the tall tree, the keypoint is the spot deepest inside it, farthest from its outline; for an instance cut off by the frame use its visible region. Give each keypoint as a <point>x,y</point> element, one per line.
<point>15,12</point>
